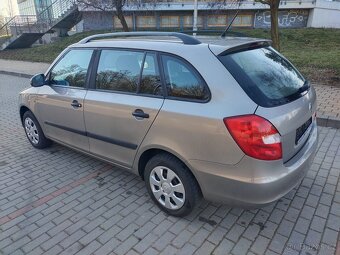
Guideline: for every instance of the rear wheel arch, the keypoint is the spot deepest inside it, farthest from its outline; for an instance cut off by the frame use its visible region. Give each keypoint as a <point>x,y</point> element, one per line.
<point>149,153</point>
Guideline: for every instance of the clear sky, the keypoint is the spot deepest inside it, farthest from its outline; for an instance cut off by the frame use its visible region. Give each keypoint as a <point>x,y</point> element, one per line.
<point>8,8</point>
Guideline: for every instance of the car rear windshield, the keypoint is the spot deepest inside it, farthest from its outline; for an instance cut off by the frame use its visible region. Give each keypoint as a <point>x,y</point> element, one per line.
<point>266,76</point>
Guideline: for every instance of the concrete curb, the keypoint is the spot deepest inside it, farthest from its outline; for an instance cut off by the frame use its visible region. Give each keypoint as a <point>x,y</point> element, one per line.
<point>324,121</point>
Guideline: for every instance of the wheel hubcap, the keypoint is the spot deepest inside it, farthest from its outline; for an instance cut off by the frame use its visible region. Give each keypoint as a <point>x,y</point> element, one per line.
<point>31,130</point>
<point>167,187</point>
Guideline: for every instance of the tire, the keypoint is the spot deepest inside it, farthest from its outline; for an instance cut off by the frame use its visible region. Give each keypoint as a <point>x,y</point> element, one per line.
<point>33,131</point>
<point>171,185</point>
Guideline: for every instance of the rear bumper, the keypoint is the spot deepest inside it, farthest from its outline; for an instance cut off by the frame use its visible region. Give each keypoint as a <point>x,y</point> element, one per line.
<point>251,182</point>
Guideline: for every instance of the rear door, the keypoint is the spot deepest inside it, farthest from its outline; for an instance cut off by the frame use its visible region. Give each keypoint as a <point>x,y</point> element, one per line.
<point>125,99</point>
<point>284,97</point>
<point>60,105</point>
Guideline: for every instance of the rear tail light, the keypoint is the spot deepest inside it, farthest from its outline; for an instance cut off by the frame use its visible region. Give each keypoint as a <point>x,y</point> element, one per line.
<point>256,136</point>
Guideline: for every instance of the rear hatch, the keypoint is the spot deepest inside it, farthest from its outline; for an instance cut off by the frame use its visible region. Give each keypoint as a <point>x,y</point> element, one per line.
<point>283,95</point>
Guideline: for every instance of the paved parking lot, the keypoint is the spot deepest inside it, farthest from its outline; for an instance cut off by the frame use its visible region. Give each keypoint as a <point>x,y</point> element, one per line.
<point>57,201</point>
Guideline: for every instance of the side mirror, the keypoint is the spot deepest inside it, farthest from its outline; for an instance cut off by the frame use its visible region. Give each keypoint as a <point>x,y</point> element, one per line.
<point>38,80</point>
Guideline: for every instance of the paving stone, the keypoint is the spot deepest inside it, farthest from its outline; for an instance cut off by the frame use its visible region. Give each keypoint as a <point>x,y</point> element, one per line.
<point>89,249</point>
<point>54,240</point>
<point>313,238</point>
<point>330,237</point>
<point>224,247</point>
<point>182,239</point>
<point>269,229</point>
<point>260,245</point>
<point>146,242</point>
<point>72,238</point>
<point>241,246</point>
<point>126,245</point>
<point>88,238</point>
<point>285,228</point>
<point>333,222</point>
<point>278,243</point>
<point>101,217</point>
<point>217,235</point>
<point>276,216</point>
<point>318,224</point>
<point>296,241</point>
<point>188,249</point>
<point>144,230</point>
<point>126,232</point>
<point>307,212</point>
<point>199,237</point>
<point>169,250</point>
<point>206,248</point>
<point>35,243</point>
<point>163,241</point>
<point>235,232</point>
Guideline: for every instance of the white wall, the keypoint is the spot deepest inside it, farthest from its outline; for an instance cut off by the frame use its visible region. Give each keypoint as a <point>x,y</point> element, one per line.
<point>325,14</point>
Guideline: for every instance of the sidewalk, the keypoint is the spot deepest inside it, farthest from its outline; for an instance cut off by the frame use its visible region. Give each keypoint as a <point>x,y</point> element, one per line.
<point>328,110</point>
<point>22,68</point>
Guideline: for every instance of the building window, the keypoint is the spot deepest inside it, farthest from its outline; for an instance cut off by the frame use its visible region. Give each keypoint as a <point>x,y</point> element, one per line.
<point>146,21</point>
<point>217,20</point>
<point>118,24</point>
<point>243,21</point>
<point>169,21</point>
<point>188,21</point>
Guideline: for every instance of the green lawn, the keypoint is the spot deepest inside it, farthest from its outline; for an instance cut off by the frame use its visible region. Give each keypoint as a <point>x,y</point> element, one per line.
<point>316,52</point>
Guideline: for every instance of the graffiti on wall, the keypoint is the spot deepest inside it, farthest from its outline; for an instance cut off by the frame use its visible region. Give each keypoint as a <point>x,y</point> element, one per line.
<point>292,18</point>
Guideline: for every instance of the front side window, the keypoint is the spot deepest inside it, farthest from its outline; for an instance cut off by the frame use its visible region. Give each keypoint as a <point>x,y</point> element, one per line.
<point>71,70</point>
<point>119,70</point>
<point>182,80</point>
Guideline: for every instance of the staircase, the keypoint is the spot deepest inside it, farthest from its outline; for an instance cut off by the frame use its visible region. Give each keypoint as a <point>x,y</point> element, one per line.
<point>22,31</point>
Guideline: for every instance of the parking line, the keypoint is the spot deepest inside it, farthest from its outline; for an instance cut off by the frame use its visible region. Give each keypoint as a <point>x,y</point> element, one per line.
<point>52,195</point>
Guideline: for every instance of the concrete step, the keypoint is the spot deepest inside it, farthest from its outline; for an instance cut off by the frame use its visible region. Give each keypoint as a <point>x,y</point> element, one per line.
<point>24,40</point>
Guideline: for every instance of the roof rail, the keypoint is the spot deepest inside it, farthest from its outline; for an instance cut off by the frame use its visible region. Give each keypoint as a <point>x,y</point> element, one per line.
<point>186,39</point>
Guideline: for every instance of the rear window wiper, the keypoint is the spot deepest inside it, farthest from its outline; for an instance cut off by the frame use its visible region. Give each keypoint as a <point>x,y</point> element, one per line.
<point>305,87</point>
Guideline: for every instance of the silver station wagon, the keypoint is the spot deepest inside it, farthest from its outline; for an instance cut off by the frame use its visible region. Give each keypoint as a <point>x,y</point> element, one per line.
<point>229,119</point>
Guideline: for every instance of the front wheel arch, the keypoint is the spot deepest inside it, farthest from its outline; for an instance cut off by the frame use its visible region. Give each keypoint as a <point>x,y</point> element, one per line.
<point>22,111</point>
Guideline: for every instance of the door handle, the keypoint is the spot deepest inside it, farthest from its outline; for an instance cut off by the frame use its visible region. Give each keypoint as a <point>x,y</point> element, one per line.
<point>139,114</point>
<point>75,104</point>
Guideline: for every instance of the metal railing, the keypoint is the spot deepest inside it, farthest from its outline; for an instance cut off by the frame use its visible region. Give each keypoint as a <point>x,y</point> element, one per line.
<point>40,23</point>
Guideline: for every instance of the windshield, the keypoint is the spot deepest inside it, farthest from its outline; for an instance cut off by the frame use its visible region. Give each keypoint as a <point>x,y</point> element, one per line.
<point>266,76</point>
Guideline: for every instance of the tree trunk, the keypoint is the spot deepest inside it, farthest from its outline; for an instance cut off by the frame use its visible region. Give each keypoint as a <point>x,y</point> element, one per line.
<point>274,18</point>
<point>120,15</point>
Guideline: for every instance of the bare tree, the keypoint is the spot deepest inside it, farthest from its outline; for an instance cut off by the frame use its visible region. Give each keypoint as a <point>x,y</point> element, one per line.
<point>108,5</point>
<point>274,20</point>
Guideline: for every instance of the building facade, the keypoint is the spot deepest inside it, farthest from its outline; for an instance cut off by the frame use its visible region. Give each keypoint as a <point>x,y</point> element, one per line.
<point>178,15</point>
<point>32,7</point>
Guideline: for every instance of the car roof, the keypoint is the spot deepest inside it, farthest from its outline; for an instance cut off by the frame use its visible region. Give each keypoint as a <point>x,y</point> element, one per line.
<point>166,42</point>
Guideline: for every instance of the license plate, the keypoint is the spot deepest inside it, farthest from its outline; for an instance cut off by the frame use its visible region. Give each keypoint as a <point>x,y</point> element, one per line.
<point>301,130</point>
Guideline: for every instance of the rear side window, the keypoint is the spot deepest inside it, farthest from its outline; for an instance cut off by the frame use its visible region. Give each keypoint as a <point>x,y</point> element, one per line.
<point>182,81</point>
<point>267,77</point>
<point>119,70</point>
<point>71,70</point>
<point>150,83</point>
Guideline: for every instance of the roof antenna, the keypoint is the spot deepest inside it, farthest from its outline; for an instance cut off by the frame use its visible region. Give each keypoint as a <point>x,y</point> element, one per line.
<point>226,30</point>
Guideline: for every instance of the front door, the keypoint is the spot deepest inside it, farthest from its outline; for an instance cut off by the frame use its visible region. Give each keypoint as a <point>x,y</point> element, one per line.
<point>60,105</point>
<point>123,104</point>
